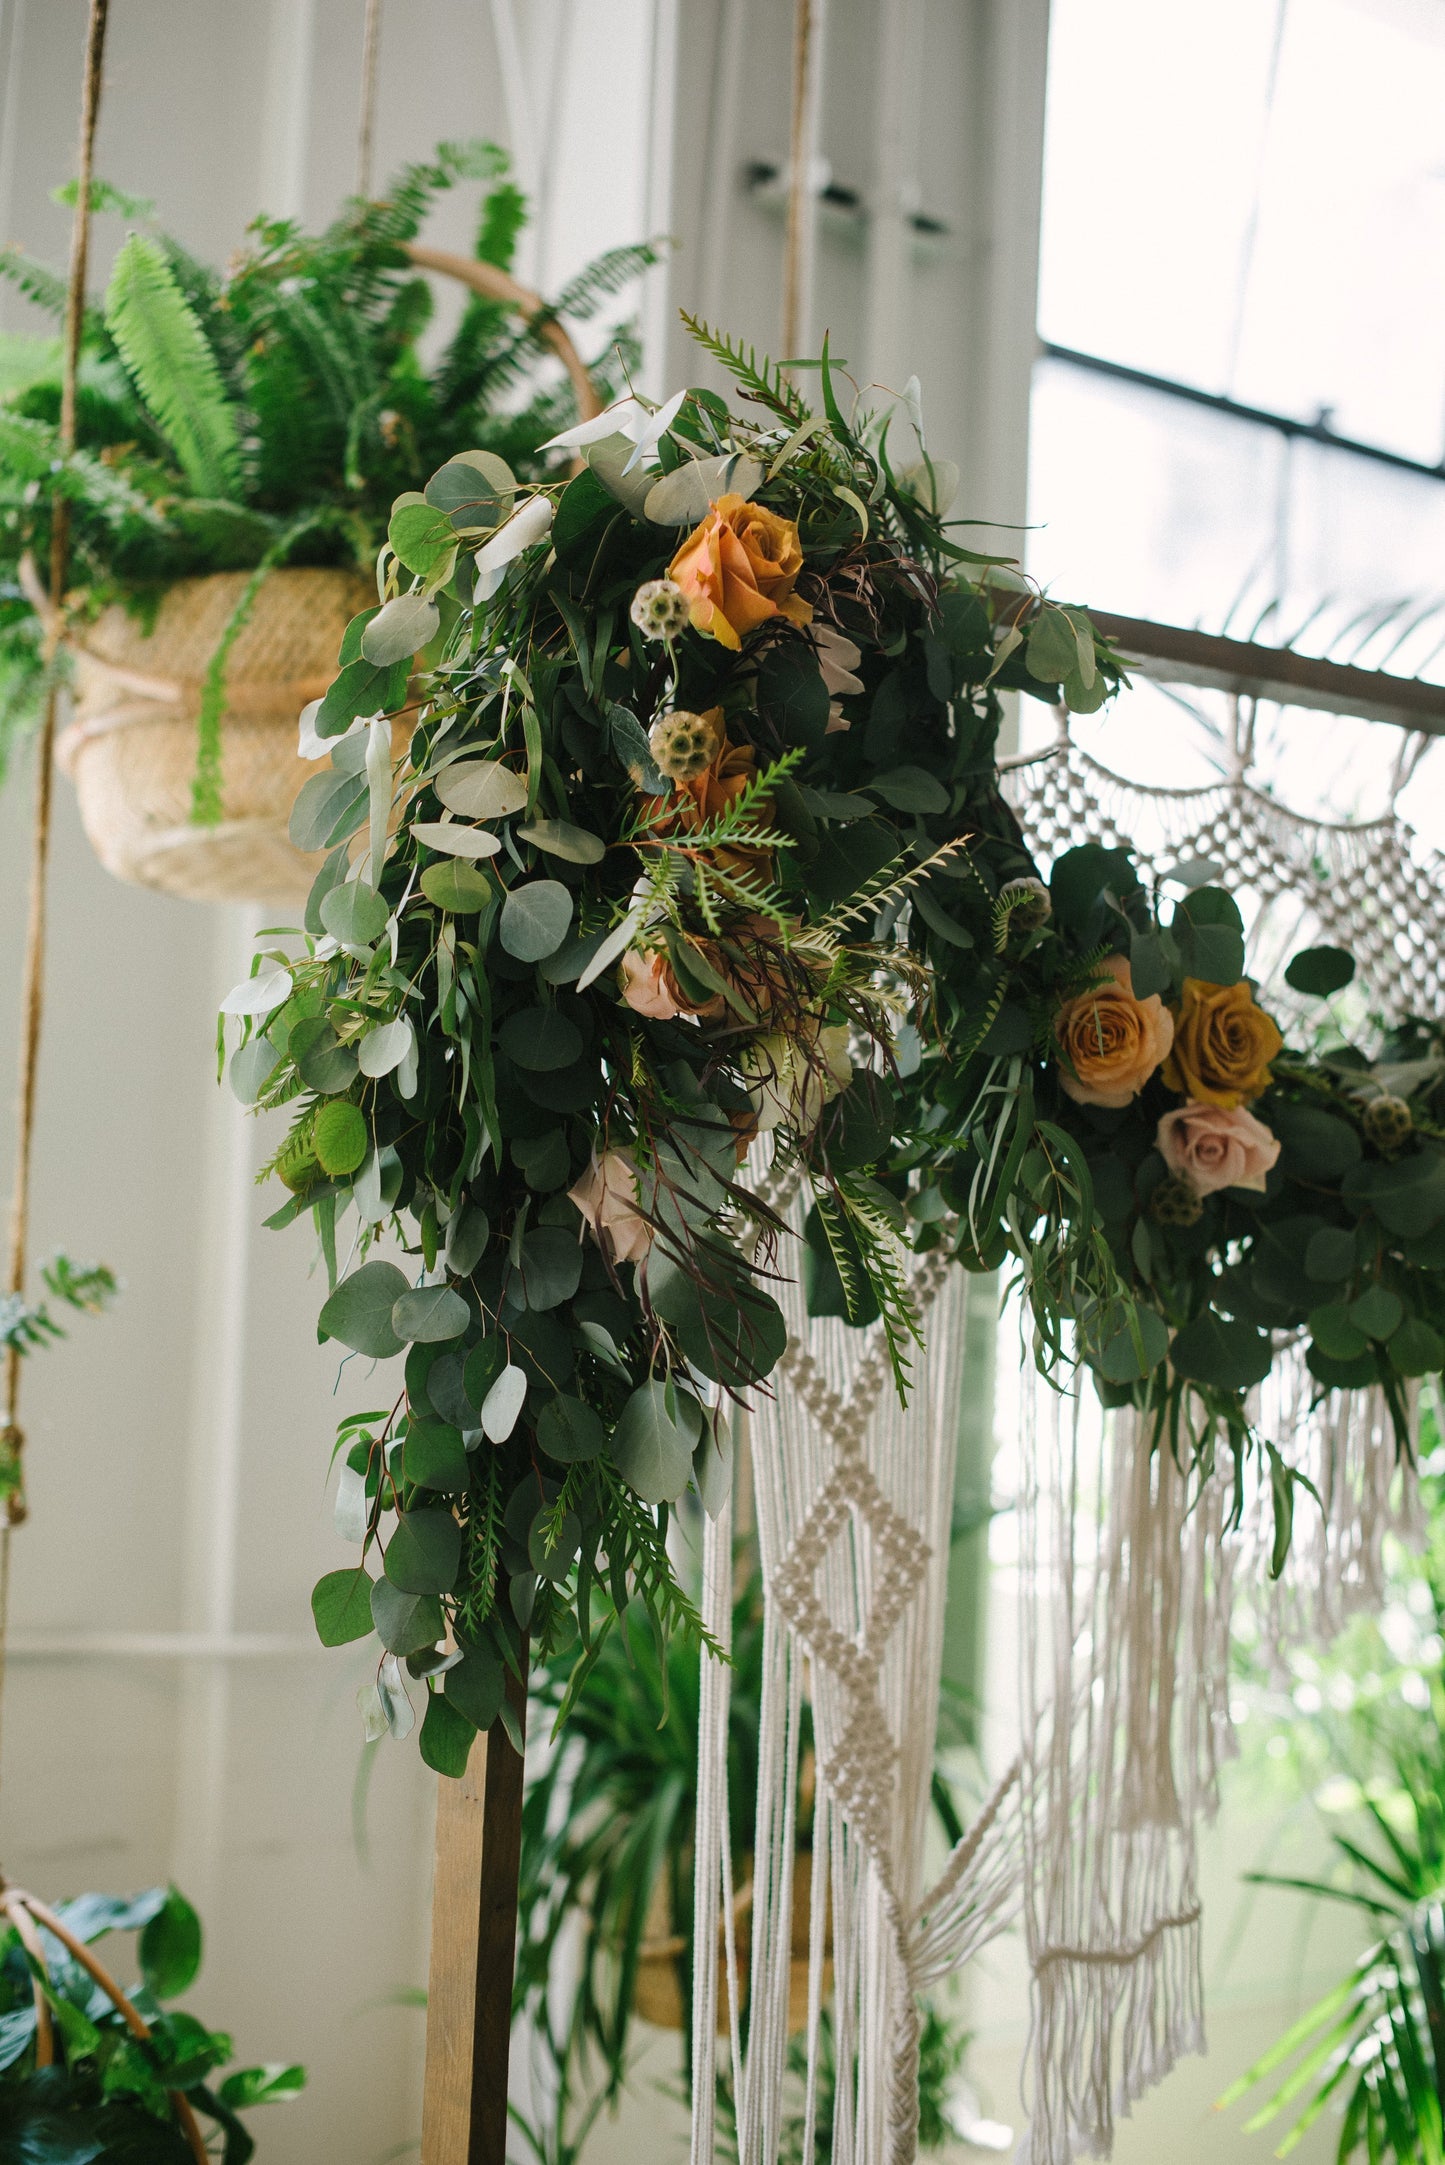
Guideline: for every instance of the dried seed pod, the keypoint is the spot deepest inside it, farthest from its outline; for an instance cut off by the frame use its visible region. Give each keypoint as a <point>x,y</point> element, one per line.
<point>1388,1122</point>
<point>685,745</point>
<point>659,609</point>
<point>1174,1202</point>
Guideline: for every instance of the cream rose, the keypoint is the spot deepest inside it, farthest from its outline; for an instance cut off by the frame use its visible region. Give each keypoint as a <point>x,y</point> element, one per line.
<point>606,1195</point>
<point>1111,1042</point>
<point>1216,1146</point>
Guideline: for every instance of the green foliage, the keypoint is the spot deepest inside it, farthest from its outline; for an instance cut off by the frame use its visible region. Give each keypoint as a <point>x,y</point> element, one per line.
<point>161,342</point>
<point>268,412</point>
<point>111,2095</point>
<point>87,1288</point>
<point>1364,1728</point>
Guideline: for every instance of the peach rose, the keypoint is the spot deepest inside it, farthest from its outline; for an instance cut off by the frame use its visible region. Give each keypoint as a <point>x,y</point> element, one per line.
<point>606,1195</point>
<point>738,570</point>
<point>1112,1042</point>
<point>1216,1146</point>
<point>1223,1044</point>
<point>650,987</point>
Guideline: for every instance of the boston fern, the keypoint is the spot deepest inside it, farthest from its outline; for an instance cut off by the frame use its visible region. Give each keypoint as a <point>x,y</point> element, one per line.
<point>266,413</point>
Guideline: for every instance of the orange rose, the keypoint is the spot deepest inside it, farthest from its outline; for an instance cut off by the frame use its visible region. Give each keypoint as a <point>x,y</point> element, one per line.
<point>1223,1044</point>
<point>738,569</point>
<point>1111,1041</point>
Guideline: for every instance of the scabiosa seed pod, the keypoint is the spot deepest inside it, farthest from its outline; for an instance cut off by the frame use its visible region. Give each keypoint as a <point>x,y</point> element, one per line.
<point>1174,1202</point>
<point>684,745</point>
<point>659,609</point>
<point>1387,1122</point>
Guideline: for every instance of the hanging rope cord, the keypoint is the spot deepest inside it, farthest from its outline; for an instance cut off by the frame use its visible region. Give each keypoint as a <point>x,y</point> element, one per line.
<point>32,997</point>
<point>25,1911</point>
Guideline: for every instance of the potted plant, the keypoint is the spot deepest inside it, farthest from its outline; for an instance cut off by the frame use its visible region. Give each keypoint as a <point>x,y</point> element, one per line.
<point>89,2071</point>
<point>241,437</point>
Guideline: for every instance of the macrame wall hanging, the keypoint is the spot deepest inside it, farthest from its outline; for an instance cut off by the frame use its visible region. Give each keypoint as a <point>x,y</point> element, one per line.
<point>1127,1580</point>
<point>1129,1571</point>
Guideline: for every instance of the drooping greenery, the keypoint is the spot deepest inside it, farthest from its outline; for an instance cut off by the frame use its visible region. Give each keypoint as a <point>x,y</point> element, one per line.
<point>702,839</point>
<point>1361,1727</point>
<point>269,411</point>
<point>108,2094</point>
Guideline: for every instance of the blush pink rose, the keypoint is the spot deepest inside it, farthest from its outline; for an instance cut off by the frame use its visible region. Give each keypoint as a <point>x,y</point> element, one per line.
<point>1216,1146</point>
<point>606,1195</point>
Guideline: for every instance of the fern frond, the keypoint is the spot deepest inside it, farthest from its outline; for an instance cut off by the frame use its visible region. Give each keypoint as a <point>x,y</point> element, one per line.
<point>164,348</point>
<point>876,893</point>
<point>504,214</point>
<point>607,274</point>
<point>763,381</point>
<point>45,289</point>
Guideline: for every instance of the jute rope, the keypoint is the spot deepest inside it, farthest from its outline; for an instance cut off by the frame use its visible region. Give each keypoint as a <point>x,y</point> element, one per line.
<point>32,998</point>
<point>803,144</point>
<point>370,54</point>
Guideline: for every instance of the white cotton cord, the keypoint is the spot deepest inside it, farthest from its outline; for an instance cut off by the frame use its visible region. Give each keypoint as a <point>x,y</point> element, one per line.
<point>817,1963</point>
<point>711,1867</point>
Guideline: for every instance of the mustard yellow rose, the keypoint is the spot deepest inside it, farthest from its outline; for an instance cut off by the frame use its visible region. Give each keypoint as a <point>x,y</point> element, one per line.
<point>738,570</point>
<point>1110,1042</point>
<point>1223,1044</point>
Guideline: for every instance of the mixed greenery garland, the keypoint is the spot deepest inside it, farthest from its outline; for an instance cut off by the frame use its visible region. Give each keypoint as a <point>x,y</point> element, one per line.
<point>267,413</point>
<point>701,838</point>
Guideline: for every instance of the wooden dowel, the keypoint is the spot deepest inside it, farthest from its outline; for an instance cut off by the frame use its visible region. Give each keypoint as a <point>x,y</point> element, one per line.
<point>474,1952</point>
<point>1173,655</point>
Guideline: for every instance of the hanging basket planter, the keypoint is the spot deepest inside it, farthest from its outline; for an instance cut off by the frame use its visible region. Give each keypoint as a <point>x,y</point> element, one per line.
<point>133,747</point>
<point>657,1995</point>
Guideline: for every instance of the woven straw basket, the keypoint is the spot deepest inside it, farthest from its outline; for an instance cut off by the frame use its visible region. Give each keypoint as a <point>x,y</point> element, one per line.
<point>657,1990</point>
<point>131,749</point>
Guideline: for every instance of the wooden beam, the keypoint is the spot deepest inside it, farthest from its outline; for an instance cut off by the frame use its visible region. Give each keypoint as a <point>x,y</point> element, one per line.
<point>474,1952</point>
<point>1171,655</point>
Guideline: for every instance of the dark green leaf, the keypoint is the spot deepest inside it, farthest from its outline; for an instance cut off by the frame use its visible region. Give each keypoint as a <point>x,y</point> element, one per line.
<point>423,1552</point>
<point>569,1431</point>
<point>541,1038</point>
<point>446,1737</point>
<point>406,1623</point>
<point>1320,971</point>
<point>1230,1355</point>
<point>170,1948</point>
<point>341,1605</point>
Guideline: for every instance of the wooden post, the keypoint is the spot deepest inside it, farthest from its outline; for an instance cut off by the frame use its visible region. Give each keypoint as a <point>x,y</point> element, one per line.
<point>473,1952</point>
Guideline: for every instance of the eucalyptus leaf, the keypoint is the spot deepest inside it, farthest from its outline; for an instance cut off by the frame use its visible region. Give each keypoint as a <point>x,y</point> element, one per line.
<point>402,628</point>
<point>429,1315</point>
<point>558,838</point>
<point>359,1312</point>
<point>453,839</point>
<point>652,1448</point>
<point>424,1551</point>
<point>481,789</point>
<point>535,918</point>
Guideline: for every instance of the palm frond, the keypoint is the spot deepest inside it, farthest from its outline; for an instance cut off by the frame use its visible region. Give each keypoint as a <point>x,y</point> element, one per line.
<point>165,349</point>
